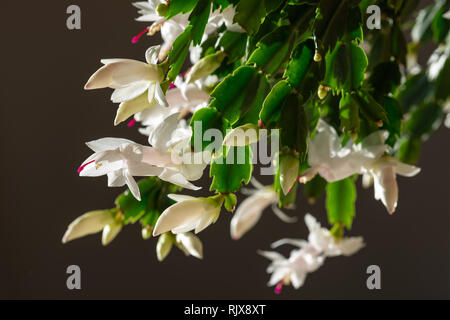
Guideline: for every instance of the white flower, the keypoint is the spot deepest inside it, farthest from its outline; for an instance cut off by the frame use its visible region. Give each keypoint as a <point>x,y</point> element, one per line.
<point>322,240</point>
<point>189,97</point>
<point>172,28</point>
<point>188,214</point>
<point>137,84</point>
<point>120,160</point>
<point>184,98</point>
<point>293,270</point>
<point>309,257</point>
<point>333,162</point>
<point>147,10</point>
<point>251,209</point>
<point>383,172</point>
<point>226,17</point>
<point>172,139</point>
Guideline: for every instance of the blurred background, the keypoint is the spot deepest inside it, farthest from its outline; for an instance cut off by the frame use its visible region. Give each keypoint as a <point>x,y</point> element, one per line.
<point>46,117</point>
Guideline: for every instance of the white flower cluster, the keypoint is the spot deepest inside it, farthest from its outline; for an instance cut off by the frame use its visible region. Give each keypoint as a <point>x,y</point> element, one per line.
<point>138,91</point>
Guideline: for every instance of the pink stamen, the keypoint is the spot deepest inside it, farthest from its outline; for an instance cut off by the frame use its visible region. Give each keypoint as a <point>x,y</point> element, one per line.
<point>172,86</point>
<point>260,123</point>
<point>279,287</point>
<point>84,166</point>
<point>136,38</point>
<point>132,123</point>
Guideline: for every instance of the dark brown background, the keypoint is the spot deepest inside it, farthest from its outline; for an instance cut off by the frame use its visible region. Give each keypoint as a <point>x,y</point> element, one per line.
<point>46,117</point>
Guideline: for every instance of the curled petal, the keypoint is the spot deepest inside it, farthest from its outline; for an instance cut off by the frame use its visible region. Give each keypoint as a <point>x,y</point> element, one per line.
<point>249,212</point>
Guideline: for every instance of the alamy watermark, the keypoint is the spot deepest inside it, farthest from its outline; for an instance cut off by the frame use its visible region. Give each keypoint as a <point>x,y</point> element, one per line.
<point>73,281</point>
<point>263,146</point>
<point>374,280</point>
<point>73,21</point>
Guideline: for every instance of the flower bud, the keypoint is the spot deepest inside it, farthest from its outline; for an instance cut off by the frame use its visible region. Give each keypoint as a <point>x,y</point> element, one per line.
<point>162,9</point>
<point>89,223</point>
<point>110,231</point>
<point>242,136</point>
<point>323,92</point>
<point>289,166</point>
<point>190,244</point>
<point>147,232</point>
<point>164,245</point>
<point>317,57</point>
<point>205,66</point>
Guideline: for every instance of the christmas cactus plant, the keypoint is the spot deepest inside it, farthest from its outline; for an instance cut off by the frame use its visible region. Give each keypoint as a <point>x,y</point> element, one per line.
<point>333,88</point>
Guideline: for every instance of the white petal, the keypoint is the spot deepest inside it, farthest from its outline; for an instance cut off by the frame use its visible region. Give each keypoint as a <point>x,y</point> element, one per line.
<point>156,158</point>
<point>404,169</point>
<point>128,108</point>
<point>132,185</point>
<point>105,144</point>
<point>298,279</point>
<point>386,188</point>
<point>349,246</point>
<point>311,223</point>
<point>151,17</point>
<point>271,255</point>
<point>116,178</point>
<point>249,213</point>
<point>283,216</point>
<point>160,97</point>
<point>293,242</point>
<point>130,92</point>
<point>163,133</point>
<point>121,74</point>
<point>175,98</point>
<point>141,169</point>
<point>180,197</point>
<point>177,178</point>
<point>278,275</point>
<point>105,162</point>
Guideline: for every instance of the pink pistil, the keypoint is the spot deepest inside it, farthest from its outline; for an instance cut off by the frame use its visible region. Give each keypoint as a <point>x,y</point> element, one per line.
<point>279,287</point>
<point>298,179</point>
<point>136,38</point>
<point>132,123</point>
<point>172,86</point>
<point>260,123</point>
<point>84,166</point>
